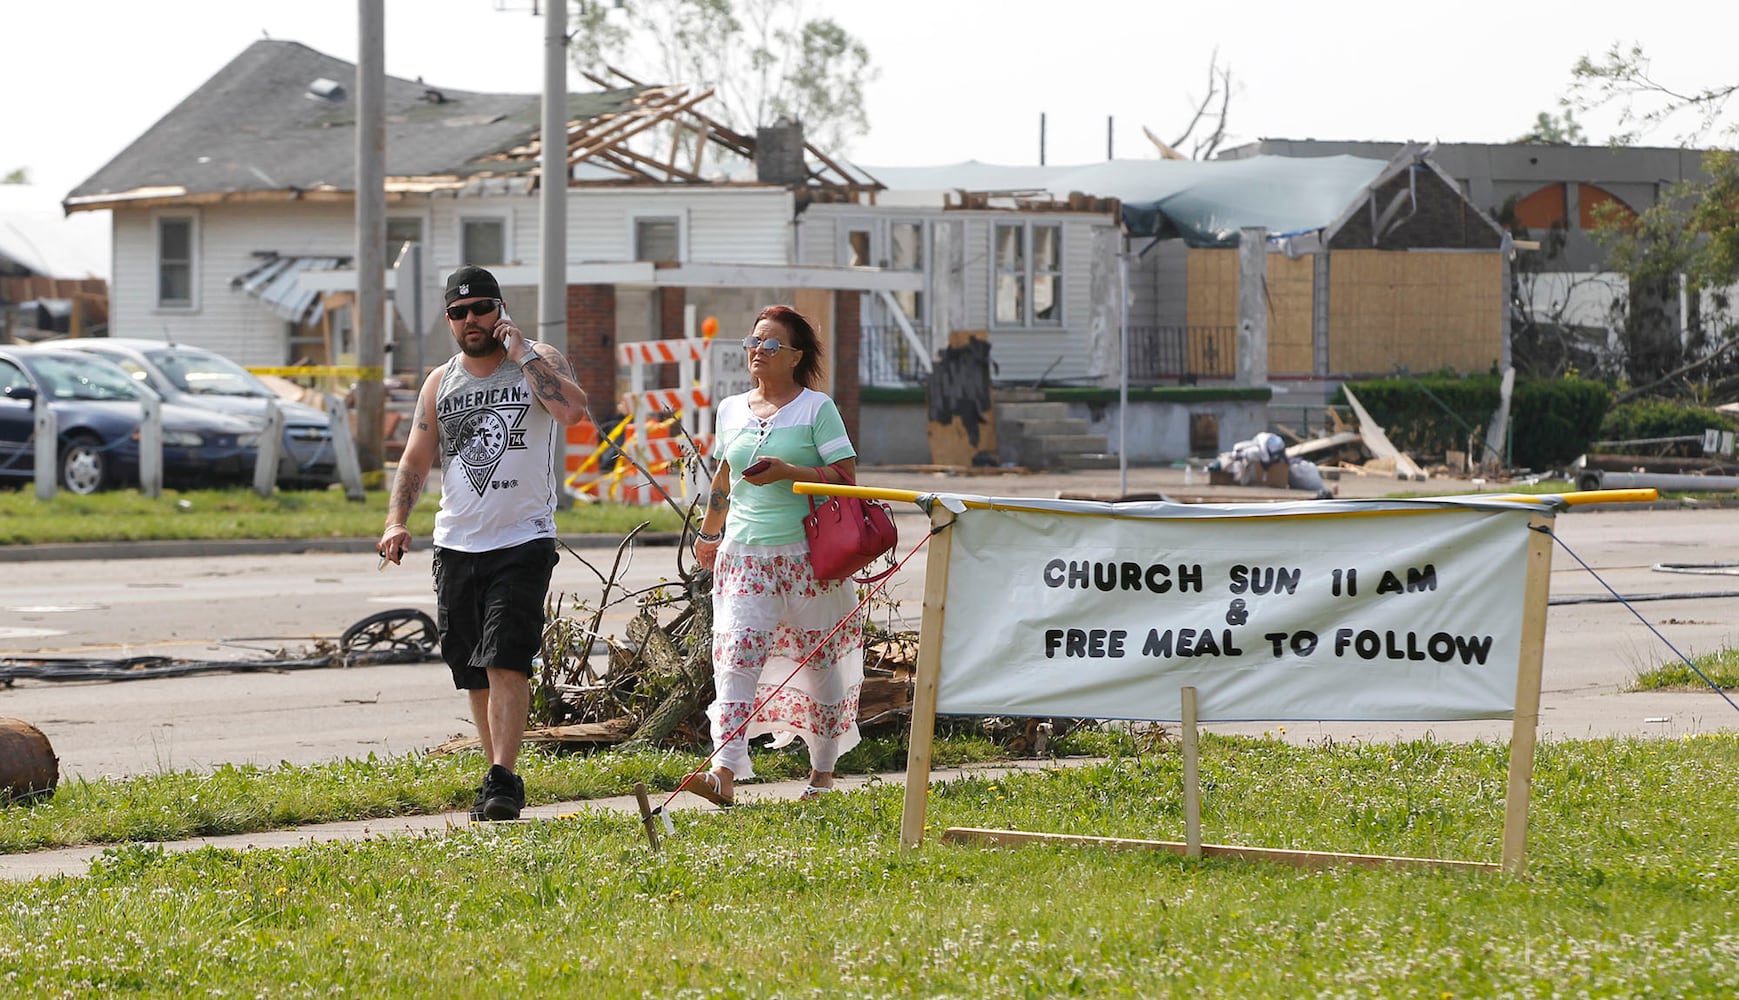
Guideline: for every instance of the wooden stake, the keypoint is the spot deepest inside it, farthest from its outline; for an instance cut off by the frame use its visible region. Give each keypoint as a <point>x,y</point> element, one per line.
<point>1301,859</point>
<point>929,671</point>
<point>647,819</point>
<point>1192,778</point>
<point>1527,718</point>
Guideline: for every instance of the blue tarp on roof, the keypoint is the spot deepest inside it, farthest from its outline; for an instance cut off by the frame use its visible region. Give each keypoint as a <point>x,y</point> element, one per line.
<point>1205,202</point>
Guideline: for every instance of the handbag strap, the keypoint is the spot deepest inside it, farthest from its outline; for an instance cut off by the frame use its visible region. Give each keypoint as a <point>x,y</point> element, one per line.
<point>844,479</point>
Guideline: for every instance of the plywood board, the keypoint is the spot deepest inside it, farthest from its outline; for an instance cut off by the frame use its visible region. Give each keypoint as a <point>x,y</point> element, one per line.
<point>1423,311</point>
<point>962,427</point>
<point>1290,305</point>
<point>817,304</point>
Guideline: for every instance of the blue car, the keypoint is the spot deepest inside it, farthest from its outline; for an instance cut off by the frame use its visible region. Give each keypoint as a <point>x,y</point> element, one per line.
<point>98,409</point>
<point>194,376</point>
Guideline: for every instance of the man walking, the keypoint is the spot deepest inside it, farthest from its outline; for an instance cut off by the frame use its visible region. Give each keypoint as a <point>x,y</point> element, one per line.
<point>493,412</point>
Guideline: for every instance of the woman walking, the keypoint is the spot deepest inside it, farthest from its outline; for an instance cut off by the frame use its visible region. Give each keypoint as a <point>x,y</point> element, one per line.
<point>769,611</point>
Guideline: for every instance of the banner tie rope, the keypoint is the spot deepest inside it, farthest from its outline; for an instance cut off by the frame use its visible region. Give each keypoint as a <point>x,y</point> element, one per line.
<point>1648,624</point>
<point>756,710</point>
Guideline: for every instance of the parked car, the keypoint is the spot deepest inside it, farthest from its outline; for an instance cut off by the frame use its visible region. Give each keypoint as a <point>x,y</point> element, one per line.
<point>98,409</point>
<point>194,376</point>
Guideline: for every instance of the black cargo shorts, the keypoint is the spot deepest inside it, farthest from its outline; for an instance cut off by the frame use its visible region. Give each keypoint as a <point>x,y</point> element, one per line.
<point>489,608</point>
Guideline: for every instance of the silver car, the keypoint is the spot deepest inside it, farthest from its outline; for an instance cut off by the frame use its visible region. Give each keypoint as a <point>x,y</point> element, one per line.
<point>194,376</point>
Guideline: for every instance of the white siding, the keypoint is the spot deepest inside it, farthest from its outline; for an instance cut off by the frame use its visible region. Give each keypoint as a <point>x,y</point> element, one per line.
<point>817,237</point>
<point>729,226</point>
<point>225,318</point>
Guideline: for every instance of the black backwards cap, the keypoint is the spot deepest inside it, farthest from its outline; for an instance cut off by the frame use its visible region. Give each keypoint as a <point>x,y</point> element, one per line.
<point>471,282</point>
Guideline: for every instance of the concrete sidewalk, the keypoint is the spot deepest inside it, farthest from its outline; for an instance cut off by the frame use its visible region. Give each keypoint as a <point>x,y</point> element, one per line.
<point>76,861</point>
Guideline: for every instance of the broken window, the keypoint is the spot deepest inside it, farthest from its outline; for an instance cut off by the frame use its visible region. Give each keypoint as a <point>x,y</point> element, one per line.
<point>1047,274</point>
<point>175,262</point>
<point>401,229</point>
<point>1010,275</point>
<point>857,248</point>
<point>906,240</point>
<point>483,241</point>
<point>1029,274</point>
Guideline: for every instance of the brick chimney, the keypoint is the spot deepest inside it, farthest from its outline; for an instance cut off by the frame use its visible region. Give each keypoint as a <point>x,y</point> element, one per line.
<point>779,153</point>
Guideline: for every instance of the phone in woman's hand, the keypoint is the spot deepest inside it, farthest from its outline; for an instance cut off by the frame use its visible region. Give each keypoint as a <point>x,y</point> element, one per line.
<point>759,467</point>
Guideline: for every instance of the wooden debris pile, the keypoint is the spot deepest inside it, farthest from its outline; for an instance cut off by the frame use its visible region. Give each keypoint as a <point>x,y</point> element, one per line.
<point>651,685</point>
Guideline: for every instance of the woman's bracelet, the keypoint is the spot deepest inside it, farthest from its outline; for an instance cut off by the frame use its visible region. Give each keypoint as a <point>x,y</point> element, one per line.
<point>701,536</point>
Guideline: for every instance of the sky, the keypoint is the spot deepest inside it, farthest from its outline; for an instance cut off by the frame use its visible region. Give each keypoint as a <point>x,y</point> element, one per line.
<point>957,79</point>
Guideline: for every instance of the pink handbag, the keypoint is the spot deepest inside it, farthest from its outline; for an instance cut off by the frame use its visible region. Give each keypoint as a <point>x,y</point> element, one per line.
<point>846,534</point>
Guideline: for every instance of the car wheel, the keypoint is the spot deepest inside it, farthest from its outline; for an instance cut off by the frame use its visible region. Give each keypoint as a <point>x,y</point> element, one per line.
<point>84,466</point>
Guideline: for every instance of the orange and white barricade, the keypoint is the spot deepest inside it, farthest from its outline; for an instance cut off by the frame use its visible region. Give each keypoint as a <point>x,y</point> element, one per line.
<point>665,431</point>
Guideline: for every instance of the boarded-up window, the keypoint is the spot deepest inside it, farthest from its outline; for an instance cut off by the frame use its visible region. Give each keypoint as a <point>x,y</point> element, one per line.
<point>1542,209</point>
<point>1591,214</point>
<point>175,262</point>
<point>483,241</point>
<point>657,240</point>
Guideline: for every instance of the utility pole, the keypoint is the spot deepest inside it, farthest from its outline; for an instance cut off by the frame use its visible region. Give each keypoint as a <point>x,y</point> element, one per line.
<point>370,231</point>
<point>552,289</point>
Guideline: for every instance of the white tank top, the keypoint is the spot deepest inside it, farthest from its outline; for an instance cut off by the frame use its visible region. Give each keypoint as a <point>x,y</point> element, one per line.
<point>498,451</point>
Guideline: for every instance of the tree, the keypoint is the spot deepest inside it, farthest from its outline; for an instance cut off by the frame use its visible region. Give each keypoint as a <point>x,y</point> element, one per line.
<point>1213,110</point>
<point>1687,241</point>
<point>17,175</point>
<point>1555,130</point>
<point>765,59</point>
<point>1623,78</point>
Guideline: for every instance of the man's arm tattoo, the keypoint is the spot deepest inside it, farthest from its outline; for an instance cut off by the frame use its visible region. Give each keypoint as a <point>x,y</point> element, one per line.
<point>407,488</point>
<point>544,382</point>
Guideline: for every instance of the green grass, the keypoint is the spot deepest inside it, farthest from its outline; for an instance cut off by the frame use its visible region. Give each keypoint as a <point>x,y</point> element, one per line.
<point>1633,890</point>
<point>1721,667</point>
<point>248,798</point>
<point>223,514</point>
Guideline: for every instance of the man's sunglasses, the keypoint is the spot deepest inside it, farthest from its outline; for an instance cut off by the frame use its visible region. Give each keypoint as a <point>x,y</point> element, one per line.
<point>771,345</point>
<point>482,307</point>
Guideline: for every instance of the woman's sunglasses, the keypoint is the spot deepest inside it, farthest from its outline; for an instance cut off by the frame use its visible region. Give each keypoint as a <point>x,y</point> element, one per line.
<point>771,345</point>
<point>482,307</point>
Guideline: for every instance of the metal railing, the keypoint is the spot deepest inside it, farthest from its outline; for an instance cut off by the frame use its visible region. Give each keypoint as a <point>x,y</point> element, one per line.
<point>888,358</point>
<point>1182,353</point>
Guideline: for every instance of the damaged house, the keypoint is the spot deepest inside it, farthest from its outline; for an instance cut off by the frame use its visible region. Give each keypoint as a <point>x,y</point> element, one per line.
<point>1368,266</point>
<point>233,217</point>
<point>233,223</point>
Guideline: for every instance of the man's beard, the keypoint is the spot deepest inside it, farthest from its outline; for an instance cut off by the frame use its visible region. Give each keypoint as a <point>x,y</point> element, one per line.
<point>486,349</point>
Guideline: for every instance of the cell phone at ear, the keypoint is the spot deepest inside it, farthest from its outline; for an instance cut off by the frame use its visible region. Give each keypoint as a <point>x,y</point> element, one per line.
<point>759,467</point>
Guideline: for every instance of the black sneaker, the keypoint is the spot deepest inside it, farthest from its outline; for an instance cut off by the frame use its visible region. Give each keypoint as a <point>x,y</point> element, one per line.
<point>477,806</point>
<point>503,794</point>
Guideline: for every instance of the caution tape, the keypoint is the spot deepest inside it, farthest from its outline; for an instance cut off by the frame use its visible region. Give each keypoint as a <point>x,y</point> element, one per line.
<point>369,374</point>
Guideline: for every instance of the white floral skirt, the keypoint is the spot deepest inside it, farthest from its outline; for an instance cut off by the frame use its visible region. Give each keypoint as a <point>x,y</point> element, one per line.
<point>769,612</point>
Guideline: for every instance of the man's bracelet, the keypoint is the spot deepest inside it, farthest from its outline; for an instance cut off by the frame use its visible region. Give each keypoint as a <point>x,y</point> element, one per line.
<point>395,524</point>
<point>701,536</point>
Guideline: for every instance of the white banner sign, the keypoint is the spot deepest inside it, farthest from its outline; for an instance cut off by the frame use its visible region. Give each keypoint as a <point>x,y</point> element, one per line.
<point>1377,614</point>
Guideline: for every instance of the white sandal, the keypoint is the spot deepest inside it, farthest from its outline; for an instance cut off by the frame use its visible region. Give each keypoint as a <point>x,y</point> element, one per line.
<point>814,792</point>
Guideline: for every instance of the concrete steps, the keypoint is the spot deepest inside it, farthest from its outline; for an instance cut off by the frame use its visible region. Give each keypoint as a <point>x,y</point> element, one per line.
<point>1036,434</point>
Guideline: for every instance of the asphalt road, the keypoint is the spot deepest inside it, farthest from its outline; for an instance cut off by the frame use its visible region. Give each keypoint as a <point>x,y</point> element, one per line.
<point>245,606</point>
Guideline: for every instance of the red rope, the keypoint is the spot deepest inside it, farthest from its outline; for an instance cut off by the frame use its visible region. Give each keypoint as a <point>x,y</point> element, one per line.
<point>756,710</point>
